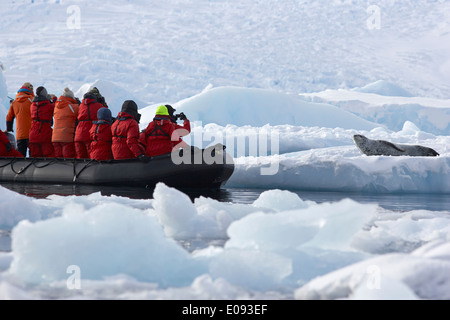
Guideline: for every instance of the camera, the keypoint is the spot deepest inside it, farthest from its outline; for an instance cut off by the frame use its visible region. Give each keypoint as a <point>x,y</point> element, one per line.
<point>180,116</point>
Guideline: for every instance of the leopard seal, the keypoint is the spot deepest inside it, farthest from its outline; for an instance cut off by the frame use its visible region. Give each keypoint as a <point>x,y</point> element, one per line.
<point>385,148</point>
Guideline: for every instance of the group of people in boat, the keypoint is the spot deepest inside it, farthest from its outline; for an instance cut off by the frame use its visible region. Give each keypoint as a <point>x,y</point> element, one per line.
<point>65,127</point>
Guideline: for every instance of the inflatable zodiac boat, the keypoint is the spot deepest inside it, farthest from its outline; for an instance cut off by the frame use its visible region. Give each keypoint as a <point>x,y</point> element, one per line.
<point>208,168</point>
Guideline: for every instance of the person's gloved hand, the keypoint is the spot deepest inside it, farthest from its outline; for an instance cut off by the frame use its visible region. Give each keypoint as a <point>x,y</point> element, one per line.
<point>182,116</point>
<point>8,147</point>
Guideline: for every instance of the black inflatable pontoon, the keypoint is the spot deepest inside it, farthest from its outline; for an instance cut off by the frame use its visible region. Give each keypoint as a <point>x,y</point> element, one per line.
<point>195,172</point>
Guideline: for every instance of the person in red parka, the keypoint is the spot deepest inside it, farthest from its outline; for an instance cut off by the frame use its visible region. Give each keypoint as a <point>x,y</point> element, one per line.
<point>101,136</point>
<point>87,113</point>
<point>125,131</point>
<point>6,149</point>
<point>160,134</point>
<point>41,130</point>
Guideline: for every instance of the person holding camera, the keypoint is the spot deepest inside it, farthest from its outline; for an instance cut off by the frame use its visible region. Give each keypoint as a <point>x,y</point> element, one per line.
<point>183,130</point>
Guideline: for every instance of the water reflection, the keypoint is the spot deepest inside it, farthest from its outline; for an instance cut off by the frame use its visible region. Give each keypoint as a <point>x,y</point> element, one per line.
<point>40,191</point>
<point>395,202</point>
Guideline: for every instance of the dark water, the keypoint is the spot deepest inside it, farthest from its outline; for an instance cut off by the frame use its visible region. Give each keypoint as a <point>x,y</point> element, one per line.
<point>395,202</point>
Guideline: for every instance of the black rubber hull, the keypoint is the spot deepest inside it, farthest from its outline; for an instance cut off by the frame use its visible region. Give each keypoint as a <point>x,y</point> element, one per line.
<point>132,173</point>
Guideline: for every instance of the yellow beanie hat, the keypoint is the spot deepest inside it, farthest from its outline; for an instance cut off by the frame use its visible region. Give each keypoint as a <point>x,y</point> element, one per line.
<point>162,111</point>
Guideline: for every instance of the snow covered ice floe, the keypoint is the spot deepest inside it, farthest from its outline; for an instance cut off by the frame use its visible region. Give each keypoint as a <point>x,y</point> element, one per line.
<point>343,169</point>
<point>424,274</point>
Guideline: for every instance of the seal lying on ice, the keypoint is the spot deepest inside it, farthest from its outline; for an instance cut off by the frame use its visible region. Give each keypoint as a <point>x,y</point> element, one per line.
<point>385,148</point>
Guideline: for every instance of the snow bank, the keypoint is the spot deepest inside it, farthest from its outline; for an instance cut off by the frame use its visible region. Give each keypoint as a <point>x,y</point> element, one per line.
<point>384,88</point>
<point>257,107</point>
<point>289,47</point>
<point>430,115</point>
<point>342,169</point>
<point>242,118</point>
<point>114,94</point>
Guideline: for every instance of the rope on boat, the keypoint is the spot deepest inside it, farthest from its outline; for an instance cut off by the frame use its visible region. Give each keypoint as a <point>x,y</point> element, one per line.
<point>75,174</point>
<point>23,169</point>
<point>5,165</point>
<point>45,165</point>
<point>33,162</point>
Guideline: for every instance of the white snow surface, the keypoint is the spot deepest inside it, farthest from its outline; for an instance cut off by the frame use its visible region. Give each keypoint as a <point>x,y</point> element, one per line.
<point>297,79</point>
